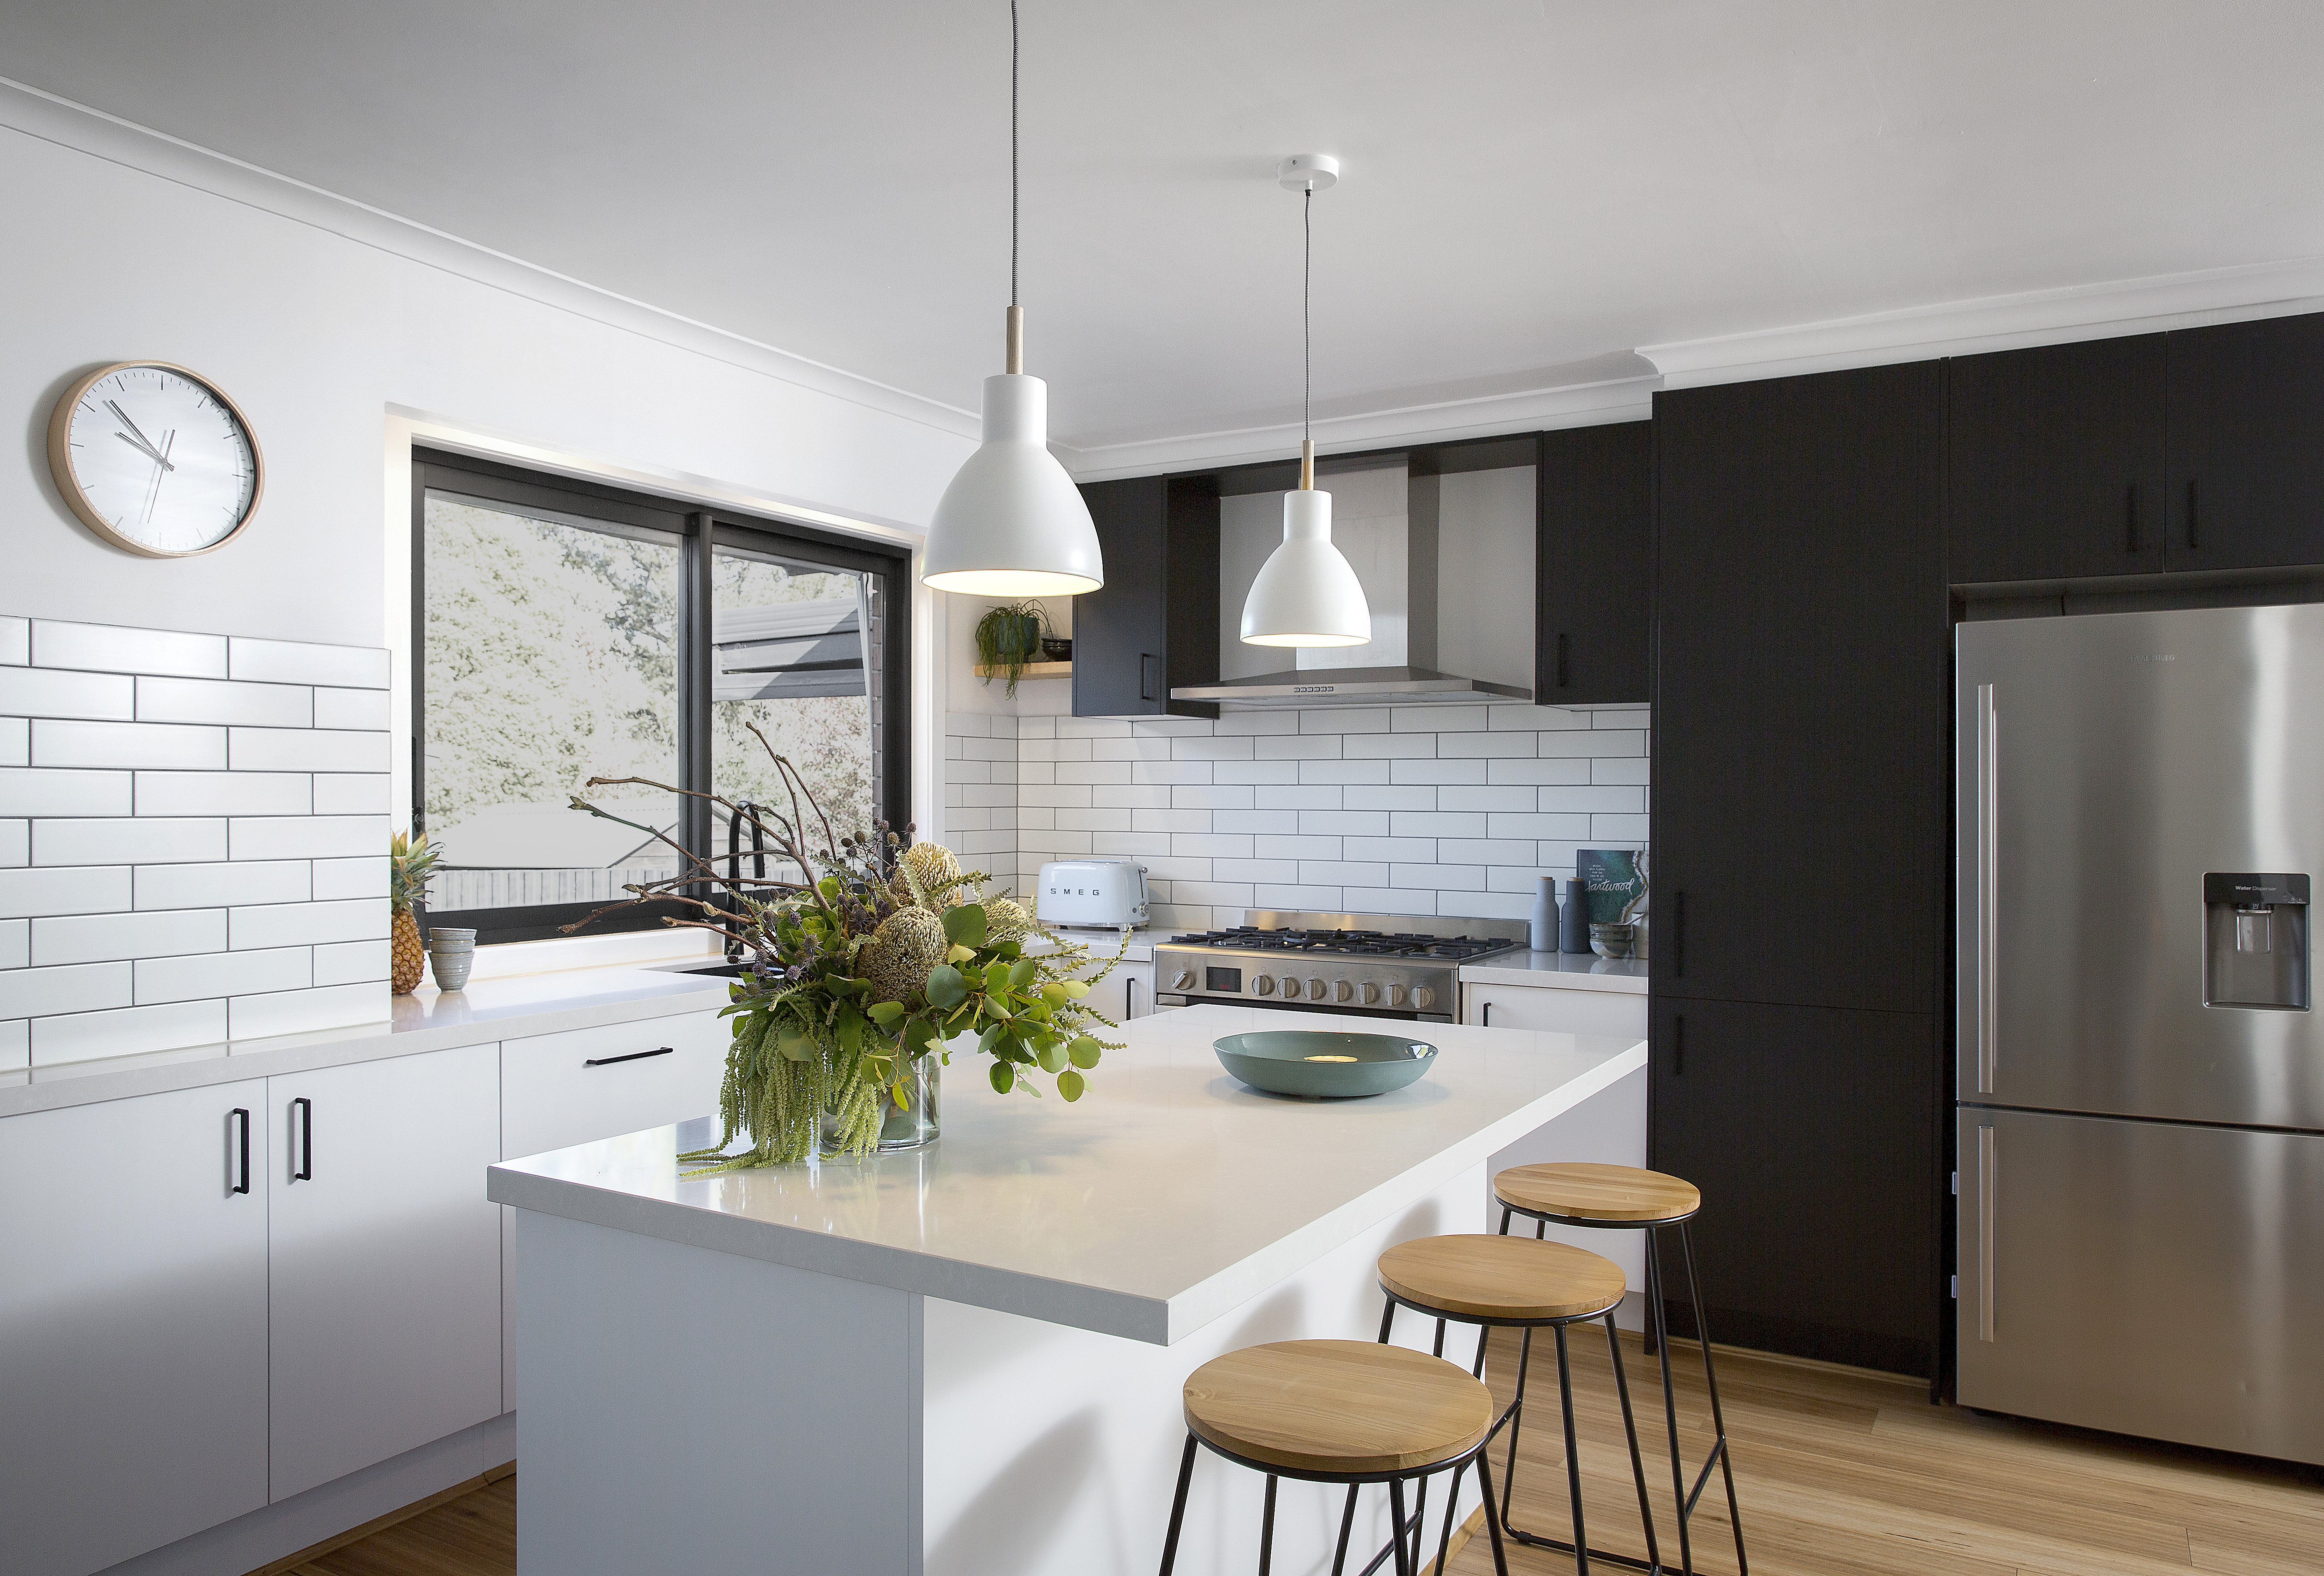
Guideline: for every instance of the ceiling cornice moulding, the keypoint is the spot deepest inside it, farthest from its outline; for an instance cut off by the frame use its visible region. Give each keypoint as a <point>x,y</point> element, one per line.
<point>1443,421</point>
<point>61,121</point>
<point>2052,316</point>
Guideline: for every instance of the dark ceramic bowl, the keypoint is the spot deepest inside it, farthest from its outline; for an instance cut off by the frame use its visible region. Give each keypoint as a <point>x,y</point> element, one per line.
<point>1322,1065</point>
<point>1058,650</point>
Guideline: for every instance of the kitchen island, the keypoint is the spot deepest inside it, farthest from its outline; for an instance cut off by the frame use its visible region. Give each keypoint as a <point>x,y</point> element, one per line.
<point>966,1358</point>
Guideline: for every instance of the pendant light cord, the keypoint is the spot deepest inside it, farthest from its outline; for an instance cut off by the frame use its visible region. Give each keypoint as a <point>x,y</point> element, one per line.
<point>1012,152</point>
<point>1306,326</point>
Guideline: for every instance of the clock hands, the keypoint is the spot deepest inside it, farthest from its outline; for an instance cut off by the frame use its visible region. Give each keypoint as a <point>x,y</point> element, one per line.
<point>161,463</point>
<point>140,440</point>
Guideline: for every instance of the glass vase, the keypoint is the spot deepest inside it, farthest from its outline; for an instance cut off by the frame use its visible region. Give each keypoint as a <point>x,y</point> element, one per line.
<point>913,1125</point>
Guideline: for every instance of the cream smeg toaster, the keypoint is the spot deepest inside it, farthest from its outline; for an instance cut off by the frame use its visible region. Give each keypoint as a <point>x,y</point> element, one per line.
<point>1109,892</point>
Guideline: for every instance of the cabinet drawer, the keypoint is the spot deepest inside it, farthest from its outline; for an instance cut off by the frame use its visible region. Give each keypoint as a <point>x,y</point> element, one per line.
<point>558,1090</point>
<point>1612,1012</point>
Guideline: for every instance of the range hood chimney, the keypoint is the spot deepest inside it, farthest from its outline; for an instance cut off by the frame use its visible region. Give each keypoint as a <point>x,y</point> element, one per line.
<point>1414,682</point>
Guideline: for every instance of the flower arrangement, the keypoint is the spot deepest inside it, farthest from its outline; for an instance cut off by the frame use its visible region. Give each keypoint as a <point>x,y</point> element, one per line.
<point>885,954</point>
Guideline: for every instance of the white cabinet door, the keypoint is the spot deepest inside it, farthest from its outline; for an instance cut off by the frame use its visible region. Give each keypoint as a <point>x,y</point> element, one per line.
<point>558,1090</point>
<point>133,1325</point>
<point>1127,992</point>
<point>384,1275</point>
<point>1563,1011</point>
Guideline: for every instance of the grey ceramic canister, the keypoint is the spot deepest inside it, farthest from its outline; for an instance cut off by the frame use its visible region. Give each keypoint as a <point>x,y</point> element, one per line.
<point>1574,918</point>
<point>1541,925</point>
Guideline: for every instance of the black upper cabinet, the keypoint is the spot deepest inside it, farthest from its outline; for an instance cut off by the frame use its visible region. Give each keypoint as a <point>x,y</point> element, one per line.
<point>1802,691</point>
<point>1154,622</point>
<point>2055,468</point>
<point>2247,445</point>
<point>1813,1136</point>
<point>1593,561</point>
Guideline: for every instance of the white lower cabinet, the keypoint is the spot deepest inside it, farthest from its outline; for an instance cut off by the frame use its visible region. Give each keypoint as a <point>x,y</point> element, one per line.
<point>383,1284</point>
<point>1558,1010</point>
<point>558,1090</point>
<point>133,1325</point>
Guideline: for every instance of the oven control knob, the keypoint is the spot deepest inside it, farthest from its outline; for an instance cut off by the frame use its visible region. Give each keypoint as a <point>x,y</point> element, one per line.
<point>1185,981</point>
<point>1395,995</point>
<point>1344,992</point>
<point>1264,985</point>
<point>1371,994</point>
<point>1290,989</point>
<point>1314,990</point>
<point>1423,997</point>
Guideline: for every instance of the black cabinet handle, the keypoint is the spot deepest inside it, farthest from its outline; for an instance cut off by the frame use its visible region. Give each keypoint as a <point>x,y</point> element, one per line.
<point>2130,520</point>
<point>1678,1046</point>
<point>632,1056</point>
<point>304,1109</point>
<point>1150,677</point>
<point>241,1116</point>
<point>1562,680</point>
<point>2190,512</point>
<point>1678,936</point>
<point>1130,996</point>
<point>1485,1015</point>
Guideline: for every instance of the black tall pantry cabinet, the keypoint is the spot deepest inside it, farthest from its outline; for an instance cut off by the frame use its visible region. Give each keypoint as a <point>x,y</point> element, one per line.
<point>1802,690</point>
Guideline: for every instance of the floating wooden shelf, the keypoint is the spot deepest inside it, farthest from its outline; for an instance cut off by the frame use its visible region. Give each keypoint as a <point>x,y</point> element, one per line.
<point>1032,670</point>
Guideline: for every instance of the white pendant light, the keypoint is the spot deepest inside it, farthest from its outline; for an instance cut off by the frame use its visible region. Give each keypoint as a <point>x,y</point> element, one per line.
<point>1307,595</point>
<point>1012,523</point>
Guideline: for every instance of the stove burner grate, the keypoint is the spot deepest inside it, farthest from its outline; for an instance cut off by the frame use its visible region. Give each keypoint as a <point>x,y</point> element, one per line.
<point>1381,944</point>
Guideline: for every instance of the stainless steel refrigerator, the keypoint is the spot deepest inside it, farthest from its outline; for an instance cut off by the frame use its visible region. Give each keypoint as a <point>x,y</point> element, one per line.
<point>2140,801</point>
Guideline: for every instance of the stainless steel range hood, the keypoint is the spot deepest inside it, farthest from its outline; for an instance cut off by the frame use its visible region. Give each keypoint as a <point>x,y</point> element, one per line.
<point>1398,560</point>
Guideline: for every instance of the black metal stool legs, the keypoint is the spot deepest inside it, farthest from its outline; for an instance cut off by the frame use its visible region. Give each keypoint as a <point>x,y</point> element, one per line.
<point>1658,1315</point>
<point>1718,1420</point>
<point>1179,1505</point>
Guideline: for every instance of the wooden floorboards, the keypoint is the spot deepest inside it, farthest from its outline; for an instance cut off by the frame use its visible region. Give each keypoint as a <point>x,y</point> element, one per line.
<point>1840,1473</point>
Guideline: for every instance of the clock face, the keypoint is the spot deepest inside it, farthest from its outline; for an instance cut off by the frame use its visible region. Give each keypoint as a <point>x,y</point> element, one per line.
<point>154,459</point>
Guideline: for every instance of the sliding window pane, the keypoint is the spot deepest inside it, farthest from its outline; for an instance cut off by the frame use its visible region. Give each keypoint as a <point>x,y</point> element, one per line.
<point>551,658</point>
<point>797,655</point>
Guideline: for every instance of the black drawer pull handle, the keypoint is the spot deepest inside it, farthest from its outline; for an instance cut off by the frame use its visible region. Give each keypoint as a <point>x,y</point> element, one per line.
<point>305,1108</point>
<point>632,1056</point>
<point>242,1117</point>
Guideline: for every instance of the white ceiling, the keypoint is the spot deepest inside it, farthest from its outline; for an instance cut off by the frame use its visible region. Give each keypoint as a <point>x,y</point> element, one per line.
<point>1534,187</point>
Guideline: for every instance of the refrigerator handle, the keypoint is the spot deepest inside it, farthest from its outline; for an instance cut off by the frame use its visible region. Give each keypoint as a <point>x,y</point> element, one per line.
<point>1989,868</point>
<point>1985,1182</point>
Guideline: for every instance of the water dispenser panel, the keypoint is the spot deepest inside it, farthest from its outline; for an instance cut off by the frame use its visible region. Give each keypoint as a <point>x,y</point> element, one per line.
<point>2255,940</point>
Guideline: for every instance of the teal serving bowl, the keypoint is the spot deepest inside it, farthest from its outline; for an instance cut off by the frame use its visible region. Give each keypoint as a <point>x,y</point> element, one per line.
<point>1323,1065</point>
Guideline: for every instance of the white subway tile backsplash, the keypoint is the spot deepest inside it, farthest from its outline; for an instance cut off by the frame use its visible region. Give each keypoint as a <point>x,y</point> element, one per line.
<point>1346,720</point>
<point>15,943</point>
<point>305,749</point>
<point>164,746</point>
<point>15,1038</point>
<point>1408,772</point>
<point>1268,722</point>
<point>1468,796</point>
<point>109,648</point>
<point>1254,772</point>
<point>46,692</point>
<point>1344,823</point>
<point>192,885</point>
<point>250,1017</point>
<point>352,963</point>
<point>63,793</point>
<point>1390,746</point>
<point>15,742</point>
<point>1597,742</point>
<point>223,793</point>
<point>1342,872</point>
<point>1131,795</point>
<point>217,700</point>
<point>223,974</point>
<point>1434,824</point>
<point>351,878</point>
<point>1617,831</point>
<point>1170,821</point>
<point>119,840</point>
<point>1536,825</point>
<point>39,992</point>
<point>1347,771</point>
<point>297,662</point>
<point>27,892</point>
<point>1483,746</point>
<point>87,1036</point>
<point>351,708</point>
<point>1266,846</point>
<point>16,641</point>
<point>1131,844</point>
<point>96,938</point>
<point>15,843</point>
<point>1404,849</point>
<point>1554,770</point>
<point>305,836</point>
<point>1254,820</point>
<point>1629,801</point>
<point>292,924</point>
<point>1488,850</point>
<point>358,794</point>
<point>1298,747</point>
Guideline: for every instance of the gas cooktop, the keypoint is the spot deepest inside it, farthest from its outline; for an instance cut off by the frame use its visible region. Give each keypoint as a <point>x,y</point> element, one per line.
<point>1356,943</point>
<point>1395,964</point>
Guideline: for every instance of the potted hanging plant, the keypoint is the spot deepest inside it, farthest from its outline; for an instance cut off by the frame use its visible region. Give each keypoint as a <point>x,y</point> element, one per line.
<point>864,979</point>
<point>1009,639</point>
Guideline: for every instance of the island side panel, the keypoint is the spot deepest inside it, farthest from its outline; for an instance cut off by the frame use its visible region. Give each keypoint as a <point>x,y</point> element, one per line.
<point>690,1410</point>
<point>1610,1129</point>
<point>1053,1451</point>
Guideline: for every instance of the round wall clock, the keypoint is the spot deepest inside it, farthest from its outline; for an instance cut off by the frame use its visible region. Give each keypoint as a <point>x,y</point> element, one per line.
<point>154,459</point>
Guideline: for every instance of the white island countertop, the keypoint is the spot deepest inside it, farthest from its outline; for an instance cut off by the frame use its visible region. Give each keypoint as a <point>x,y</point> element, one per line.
<point>1169,1195</point>
<point>1560,971</point>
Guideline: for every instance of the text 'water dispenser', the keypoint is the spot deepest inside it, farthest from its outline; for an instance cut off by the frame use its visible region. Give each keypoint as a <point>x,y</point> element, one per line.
<point>2255,940</point>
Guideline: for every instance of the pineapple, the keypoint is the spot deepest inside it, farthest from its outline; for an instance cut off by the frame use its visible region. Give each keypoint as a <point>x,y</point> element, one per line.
<point>410,860</point>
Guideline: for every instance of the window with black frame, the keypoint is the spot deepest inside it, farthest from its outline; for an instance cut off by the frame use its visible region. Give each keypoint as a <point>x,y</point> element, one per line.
<point>568,632</point>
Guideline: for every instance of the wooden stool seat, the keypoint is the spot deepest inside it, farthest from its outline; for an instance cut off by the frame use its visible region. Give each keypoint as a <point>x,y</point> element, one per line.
<point>1513,1279</point>
<point>1346,1408</point>
<point>1584,1191</point>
